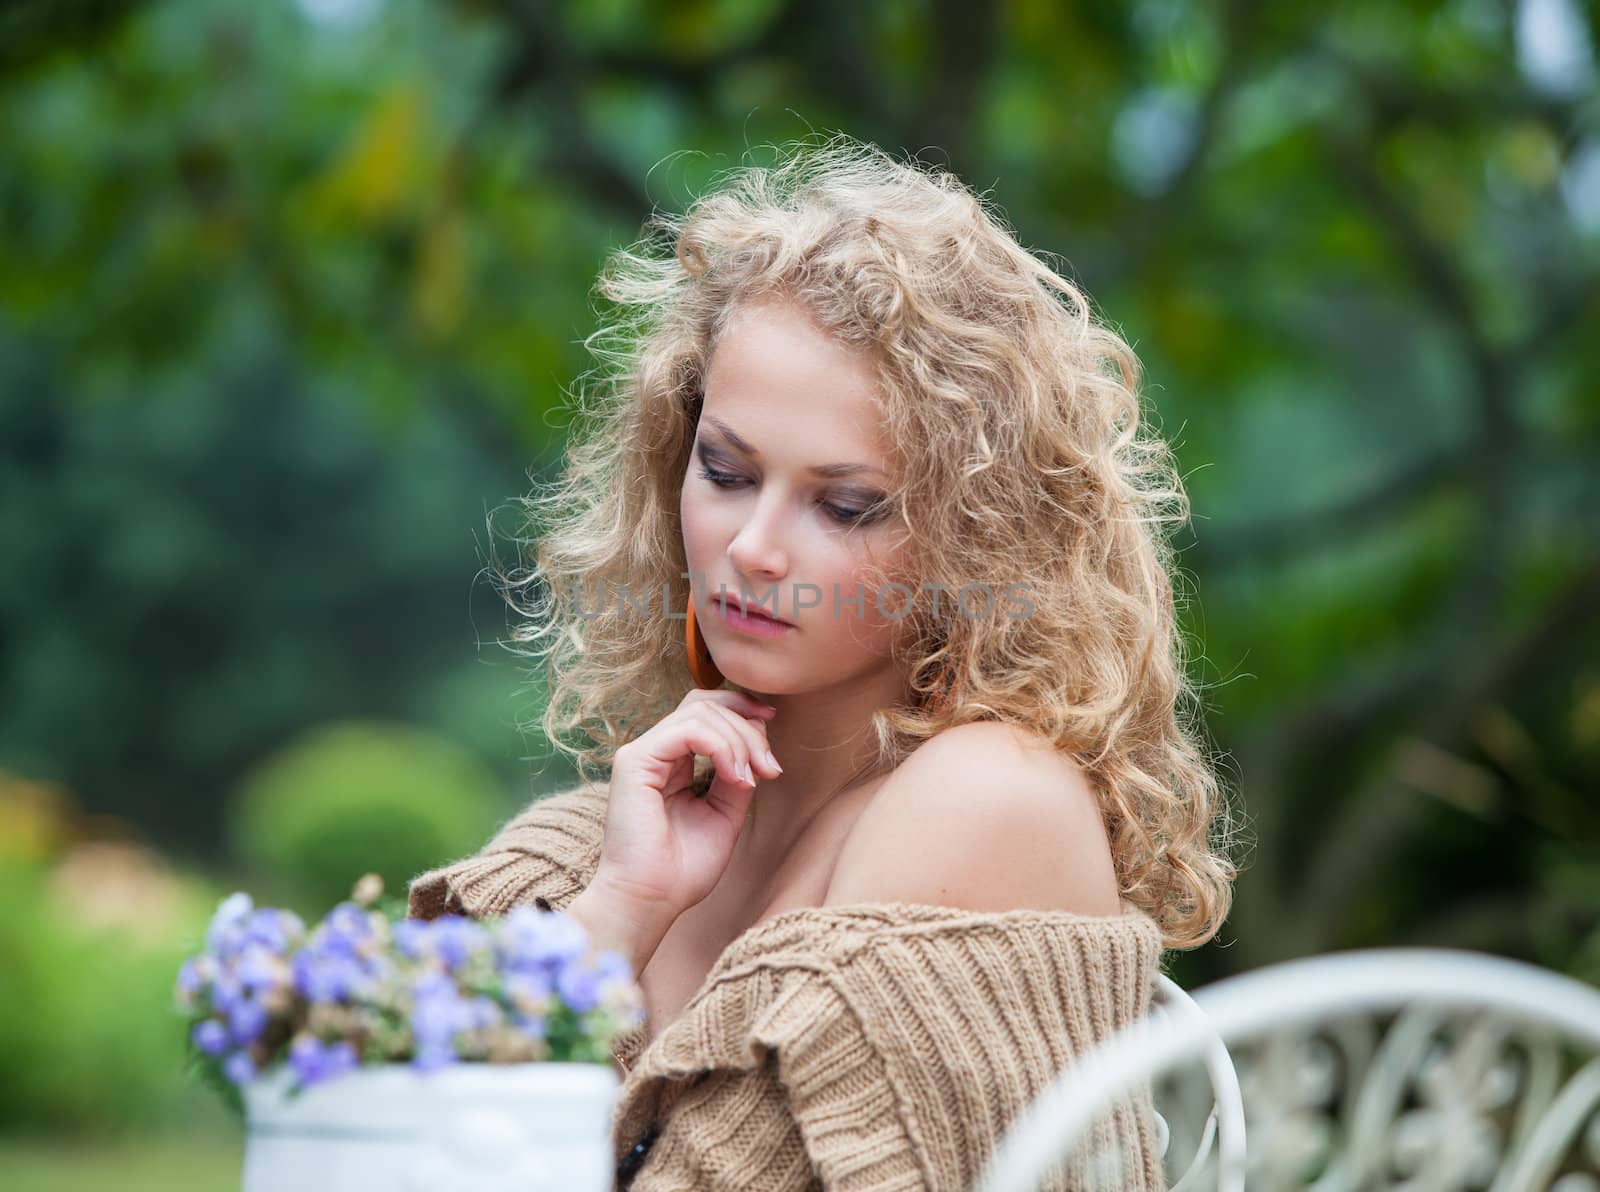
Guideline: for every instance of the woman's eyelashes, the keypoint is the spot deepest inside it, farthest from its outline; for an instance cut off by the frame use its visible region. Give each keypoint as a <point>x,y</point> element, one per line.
<point>872,510</point>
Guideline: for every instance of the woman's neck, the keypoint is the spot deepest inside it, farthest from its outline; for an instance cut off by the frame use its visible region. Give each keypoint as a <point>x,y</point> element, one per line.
<point>825,744</point>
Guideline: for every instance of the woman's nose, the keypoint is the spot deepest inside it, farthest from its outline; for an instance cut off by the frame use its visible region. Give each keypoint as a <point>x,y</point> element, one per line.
<point>756,548</point>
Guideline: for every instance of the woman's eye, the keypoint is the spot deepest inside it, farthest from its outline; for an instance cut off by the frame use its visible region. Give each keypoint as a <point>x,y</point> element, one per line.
<point>875,510</point>
<point>720,479</point>
<point>851,516</point>
<point>839,513</point>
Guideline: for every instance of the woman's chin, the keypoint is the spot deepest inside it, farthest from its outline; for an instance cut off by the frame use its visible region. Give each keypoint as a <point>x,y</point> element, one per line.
<point>754,680</point>
<point>750,682</point>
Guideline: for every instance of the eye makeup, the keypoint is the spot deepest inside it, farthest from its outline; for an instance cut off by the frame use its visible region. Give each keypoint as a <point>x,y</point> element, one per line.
<point>866,509</point>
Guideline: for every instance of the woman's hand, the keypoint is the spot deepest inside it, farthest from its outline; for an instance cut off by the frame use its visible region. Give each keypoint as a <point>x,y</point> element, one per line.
<point>664,849</point>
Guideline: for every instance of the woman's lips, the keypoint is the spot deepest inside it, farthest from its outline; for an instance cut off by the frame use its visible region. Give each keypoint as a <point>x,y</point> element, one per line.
<point>755,623</point>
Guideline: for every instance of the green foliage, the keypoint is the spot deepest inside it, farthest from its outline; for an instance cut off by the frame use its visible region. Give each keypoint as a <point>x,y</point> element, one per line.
<point>206,571</point>
<point>203,1157</point>
<point>361,797</point>
<point>89,1040</point>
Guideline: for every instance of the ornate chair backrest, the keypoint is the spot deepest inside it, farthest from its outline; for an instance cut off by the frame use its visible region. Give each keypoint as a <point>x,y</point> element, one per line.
<point>1188,1135</point>
<point>1416,1069</point>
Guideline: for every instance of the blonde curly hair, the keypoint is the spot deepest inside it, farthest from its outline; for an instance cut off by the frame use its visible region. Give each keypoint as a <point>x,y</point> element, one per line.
<point>1016,426</point>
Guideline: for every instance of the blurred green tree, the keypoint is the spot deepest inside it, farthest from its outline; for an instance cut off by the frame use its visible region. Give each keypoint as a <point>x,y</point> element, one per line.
<point>353,798</point>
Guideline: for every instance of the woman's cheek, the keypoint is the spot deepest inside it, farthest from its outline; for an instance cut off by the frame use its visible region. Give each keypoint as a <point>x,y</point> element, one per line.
<point>695,547</point>
<point>885,587</point>
<point>862,608</point>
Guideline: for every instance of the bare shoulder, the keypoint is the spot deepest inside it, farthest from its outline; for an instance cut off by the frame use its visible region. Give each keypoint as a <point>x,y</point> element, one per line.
<point>987,817</point>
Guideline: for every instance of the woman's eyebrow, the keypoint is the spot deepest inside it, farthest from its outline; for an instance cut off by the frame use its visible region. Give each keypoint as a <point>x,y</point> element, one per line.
<point>827,471</point>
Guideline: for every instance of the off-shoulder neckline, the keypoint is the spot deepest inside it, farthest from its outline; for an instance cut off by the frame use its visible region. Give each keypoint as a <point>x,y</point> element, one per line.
<point>890,915</point>
<point>895,915</point>
<point>927,910</point>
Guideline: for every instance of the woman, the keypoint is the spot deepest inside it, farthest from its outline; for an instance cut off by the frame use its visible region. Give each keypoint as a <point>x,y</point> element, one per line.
<point>917,618</point>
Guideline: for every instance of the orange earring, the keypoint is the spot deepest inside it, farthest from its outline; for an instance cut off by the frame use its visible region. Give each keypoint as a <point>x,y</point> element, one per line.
<point>937,703</point>
<point>705,672</point>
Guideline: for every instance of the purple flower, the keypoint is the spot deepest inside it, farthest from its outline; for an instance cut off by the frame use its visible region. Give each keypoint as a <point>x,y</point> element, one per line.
<point>210,1036</point>
<point>432,984</point>
<point>534,937</point>
<point>348,924</point>
<point>431,1057</point>
<point>314,1061</point>
<point>528,987</point>
<point>239,1067</point>
<point>247,1018</point>
<point>483,1013</point>
<point>240,992</point>
<point>579,986</point>
<point>190,980</point>
<point>259,968</point>
<point>457,937</point>
<point>227,928</point>
<point>273,928</point>
<point>226,990</point>
<point>329,973</point>
<point>439,1011</point>
<point>613,967</point>
<point>412,937</point>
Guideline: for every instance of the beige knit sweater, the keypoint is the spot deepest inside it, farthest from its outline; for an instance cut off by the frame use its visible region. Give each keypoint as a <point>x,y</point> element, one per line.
<point>873,1046</point>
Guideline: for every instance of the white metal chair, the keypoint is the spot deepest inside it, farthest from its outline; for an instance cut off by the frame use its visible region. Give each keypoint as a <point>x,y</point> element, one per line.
<point>1414,1069</point>
<point>1224,1124</point>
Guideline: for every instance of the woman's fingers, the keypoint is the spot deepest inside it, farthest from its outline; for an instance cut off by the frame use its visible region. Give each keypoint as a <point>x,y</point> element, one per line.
<point>676,739</point>
<point>738,701</point>
<point>708,733</point>
<point>748,715</point>
<point>754,736</point>
<point>701,730</point>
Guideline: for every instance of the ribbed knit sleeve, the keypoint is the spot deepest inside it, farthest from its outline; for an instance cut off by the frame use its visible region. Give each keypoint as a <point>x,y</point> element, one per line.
<point>888,1046</point>
<point>549,850</point>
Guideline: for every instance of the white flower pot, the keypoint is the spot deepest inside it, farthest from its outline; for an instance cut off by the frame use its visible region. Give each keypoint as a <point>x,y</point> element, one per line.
<point>470,1127</point>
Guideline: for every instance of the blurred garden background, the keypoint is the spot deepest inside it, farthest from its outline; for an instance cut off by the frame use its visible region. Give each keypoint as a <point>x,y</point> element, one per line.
<point>292,300</point>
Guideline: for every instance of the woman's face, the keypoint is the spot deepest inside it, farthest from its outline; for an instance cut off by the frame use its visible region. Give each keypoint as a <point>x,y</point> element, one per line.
<point>784,401</point>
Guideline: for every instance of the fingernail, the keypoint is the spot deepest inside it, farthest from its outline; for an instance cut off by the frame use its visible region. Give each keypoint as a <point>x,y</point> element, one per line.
<point>749,778</point>
<point>773,762</point>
